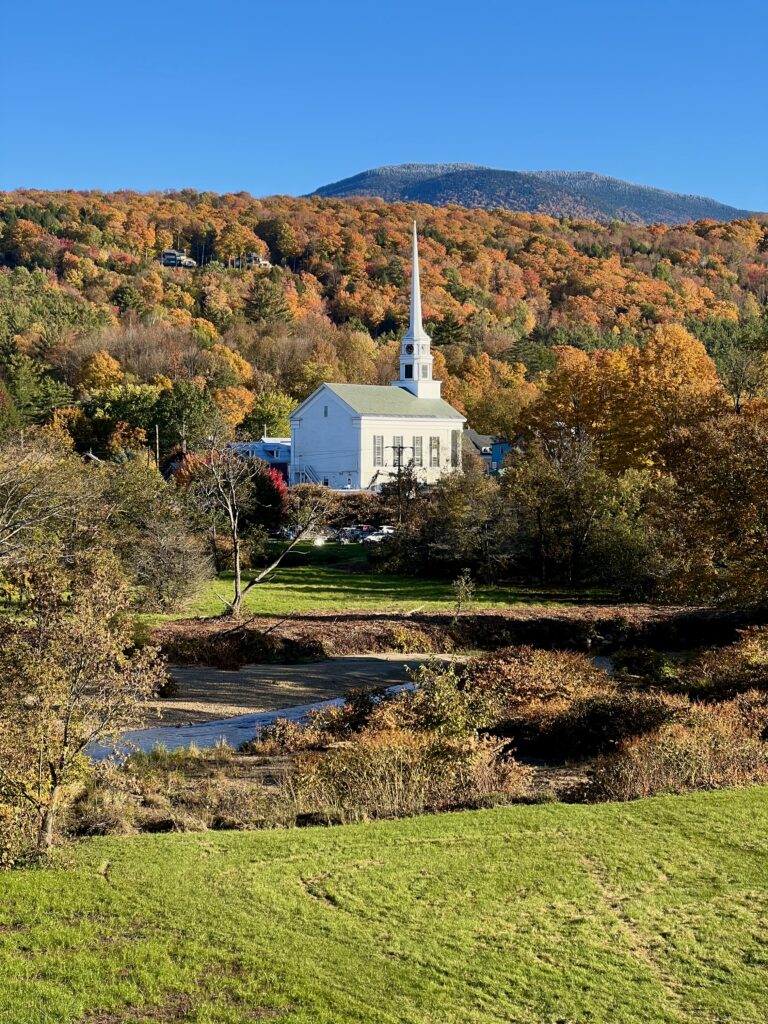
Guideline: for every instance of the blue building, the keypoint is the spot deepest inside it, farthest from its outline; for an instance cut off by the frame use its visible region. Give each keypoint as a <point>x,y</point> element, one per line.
<point>275,451</point>
<point>500,448</point>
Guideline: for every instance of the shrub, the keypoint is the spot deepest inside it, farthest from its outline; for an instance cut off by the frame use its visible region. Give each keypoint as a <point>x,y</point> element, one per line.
<point>221,803</point>
<point>410,640</point>
<point>752,708</point>
<point>517,676</point>
<point>652,666</point>
<point>446,704</point>
<point>400,773</point>
<point>283,736</point>
<point>723,672</point>
<point>442,702</point>
<point>597,724</point>
<point>524,690</point>
<point>169,687</point>
<point>17,832</point>
<point>712,750</point>
<point>104,809</point>
<point>175,791</point>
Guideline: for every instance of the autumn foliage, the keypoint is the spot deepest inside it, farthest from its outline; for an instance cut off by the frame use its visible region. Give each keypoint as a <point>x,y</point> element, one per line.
<point>627,365</point>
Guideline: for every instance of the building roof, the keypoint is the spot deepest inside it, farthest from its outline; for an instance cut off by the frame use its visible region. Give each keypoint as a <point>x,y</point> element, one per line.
<point>267,447</point>
<point>480,441</point>
<point>386,400</point>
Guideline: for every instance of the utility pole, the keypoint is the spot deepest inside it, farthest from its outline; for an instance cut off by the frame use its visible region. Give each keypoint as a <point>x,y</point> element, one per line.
<point>398,449</point>
<point>157,445</point>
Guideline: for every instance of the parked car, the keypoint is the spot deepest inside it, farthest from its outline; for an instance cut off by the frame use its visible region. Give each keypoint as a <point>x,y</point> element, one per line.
<point>378,536</point>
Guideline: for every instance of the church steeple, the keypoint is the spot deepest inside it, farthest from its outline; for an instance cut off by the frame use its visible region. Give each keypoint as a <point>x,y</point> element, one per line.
<point>416,330</point>
<point>415,350</point>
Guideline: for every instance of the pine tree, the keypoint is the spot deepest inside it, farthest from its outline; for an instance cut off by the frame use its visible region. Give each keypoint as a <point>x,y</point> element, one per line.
<point>265,303</point>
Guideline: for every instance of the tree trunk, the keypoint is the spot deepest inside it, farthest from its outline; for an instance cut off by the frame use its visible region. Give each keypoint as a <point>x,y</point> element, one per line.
<point>542,550</point>
<point>47,823</point>
<point>238,599</point>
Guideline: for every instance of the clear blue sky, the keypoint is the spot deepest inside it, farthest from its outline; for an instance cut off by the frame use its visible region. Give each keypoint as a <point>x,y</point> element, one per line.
<point>274,96</point>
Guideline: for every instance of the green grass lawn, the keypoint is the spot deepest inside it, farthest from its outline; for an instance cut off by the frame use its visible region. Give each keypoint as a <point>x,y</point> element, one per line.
<point>325,580</point>
<point>614,914</point>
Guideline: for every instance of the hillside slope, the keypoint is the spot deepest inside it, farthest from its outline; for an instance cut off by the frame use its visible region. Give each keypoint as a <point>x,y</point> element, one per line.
<point>611,914</point>
<point>579,194</point>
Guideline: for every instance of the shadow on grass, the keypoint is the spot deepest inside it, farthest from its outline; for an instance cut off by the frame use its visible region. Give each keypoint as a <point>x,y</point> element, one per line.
<point>319,587</point>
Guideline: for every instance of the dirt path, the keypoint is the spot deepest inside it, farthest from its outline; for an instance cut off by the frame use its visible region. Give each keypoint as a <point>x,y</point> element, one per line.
<point>209,694</point>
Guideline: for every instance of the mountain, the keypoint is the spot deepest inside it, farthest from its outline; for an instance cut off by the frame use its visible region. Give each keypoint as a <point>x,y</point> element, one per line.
<point>580,194</point>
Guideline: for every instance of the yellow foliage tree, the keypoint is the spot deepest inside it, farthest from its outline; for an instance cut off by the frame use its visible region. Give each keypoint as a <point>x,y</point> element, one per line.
<point>629,400</point>
<point>494,394</point>
<point>234,404</point>
<point>99,370</point>
<point>225,367</point>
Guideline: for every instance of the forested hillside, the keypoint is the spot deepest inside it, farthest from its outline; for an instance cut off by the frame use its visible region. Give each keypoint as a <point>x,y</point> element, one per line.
<point>93,325</point>
<point>556,193</point>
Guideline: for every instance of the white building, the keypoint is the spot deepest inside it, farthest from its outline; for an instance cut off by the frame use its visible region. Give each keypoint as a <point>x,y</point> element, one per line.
<point>357,436</point>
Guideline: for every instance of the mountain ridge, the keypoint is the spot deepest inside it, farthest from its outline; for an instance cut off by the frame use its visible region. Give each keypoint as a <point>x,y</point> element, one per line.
<point>578,194</point>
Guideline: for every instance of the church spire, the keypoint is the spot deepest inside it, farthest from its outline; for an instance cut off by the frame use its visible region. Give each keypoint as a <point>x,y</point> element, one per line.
<point>416,324</point>
<point>415,349</point>
<point>416,330</point>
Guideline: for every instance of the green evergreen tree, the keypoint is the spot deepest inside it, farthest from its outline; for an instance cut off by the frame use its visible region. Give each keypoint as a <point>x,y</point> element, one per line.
<point>186,417</point>
<point>34,393</point>
<point>448,331</point>
<point>265,304</point>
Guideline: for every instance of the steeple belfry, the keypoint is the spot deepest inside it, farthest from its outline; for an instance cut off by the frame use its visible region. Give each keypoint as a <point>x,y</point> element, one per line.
<point>415,349</point>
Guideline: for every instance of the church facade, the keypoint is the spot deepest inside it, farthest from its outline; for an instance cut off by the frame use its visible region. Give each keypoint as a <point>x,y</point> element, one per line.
<point>359,436</point>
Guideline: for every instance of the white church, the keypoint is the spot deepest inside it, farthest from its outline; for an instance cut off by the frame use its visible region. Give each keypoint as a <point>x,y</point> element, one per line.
<point>358,436</point>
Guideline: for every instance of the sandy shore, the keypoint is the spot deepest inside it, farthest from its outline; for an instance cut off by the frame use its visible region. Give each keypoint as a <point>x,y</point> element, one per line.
<point>208,694</point>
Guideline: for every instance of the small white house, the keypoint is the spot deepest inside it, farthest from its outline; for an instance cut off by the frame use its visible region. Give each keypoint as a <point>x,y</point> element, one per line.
<point>358,436</point>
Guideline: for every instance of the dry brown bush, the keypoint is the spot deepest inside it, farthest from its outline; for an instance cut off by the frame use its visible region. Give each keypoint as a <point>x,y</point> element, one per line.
<point>596,724</point>
<point>401,773</point>
<point>527,690</point>
<point>713,749</point>
<point>722,672</point>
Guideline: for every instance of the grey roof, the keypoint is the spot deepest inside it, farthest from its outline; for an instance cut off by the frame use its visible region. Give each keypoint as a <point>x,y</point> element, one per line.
<point>479,441</point>
<point>386,400</point>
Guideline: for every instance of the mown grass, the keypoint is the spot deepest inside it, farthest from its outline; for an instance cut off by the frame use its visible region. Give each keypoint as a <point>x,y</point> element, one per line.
<point>652,911</point>
<point>330,579</point>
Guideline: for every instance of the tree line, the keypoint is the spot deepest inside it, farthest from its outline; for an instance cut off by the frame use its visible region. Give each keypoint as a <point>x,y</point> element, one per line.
<point>92,325</point>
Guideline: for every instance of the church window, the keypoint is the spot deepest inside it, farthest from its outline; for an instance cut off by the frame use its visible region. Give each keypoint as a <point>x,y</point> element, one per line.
<point>455,450</point>
<point>397,450</point>
<point>434,452</point>
<point>425,370</point>
<point>378,450</point>
<point>407,372</point>
<point>325,410</point>
<point>418,451</point>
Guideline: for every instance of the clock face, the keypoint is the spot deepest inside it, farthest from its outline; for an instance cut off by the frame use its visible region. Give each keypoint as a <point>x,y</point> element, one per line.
<point>409,349</point>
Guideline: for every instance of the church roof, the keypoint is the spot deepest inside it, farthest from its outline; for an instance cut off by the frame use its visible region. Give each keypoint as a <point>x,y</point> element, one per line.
<point>385,400</point>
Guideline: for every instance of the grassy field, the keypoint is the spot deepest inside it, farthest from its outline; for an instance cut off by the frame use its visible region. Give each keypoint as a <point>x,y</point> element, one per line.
<point>329,579</point>
<point>612,914</point>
